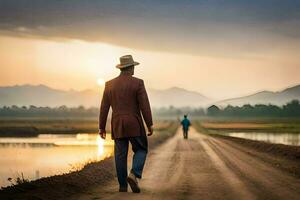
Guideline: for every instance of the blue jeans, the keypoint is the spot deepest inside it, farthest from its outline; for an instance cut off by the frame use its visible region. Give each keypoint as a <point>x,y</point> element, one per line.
<point>139,147</point>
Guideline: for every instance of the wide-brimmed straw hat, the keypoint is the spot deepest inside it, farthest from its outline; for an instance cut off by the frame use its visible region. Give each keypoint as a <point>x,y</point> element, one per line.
<point>126,61</point>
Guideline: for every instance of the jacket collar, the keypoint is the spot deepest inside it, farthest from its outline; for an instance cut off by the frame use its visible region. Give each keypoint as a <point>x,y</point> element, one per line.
<point>125,73</point>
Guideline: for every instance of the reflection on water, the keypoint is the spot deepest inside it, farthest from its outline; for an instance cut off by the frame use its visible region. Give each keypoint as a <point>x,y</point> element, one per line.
<point>49,154</point>
<point>278,138</point>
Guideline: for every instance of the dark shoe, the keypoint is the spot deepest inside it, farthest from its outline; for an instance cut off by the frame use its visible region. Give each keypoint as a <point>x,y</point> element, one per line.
<point>131,179</point>
<point>123,189</point>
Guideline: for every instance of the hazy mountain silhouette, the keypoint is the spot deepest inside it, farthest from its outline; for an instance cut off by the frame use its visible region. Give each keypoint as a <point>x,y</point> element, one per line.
<point>41,95</point>
<point>177,97</point>
<point>266,97</point>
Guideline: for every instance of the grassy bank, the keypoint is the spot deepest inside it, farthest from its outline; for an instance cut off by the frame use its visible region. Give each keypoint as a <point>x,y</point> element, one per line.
<point>31,127</point>
<point>217,128</point>
<point>17,126</point>
<point>277,125</point>
<point>92,174</point>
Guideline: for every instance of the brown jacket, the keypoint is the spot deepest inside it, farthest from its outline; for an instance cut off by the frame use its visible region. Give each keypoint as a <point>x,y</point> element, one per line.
<point>128,98</point>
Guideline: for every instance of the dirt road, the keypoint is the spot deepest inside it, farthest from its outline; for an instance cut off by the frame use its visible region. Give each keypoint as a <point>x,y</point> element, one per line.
<point>204,167</point>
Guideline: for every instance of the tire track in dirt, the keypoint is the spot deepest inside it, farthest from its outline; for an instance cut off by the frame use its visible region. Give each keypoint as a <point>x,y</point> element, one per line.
<point>238,187</point>
<point>199,175</point>
<point>252,185</point>
<point>263,178</point>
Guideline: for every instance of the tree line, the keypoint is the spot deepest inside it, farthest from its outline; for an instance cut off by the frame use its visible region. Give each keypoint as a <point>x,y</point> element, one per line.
<point>34,111</point>
<point>291,109</point>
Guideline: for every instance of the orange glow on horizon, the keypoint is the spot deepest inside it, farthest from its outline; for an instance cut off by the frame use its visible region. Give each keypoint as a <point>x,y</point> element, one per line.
<point>82,65</point>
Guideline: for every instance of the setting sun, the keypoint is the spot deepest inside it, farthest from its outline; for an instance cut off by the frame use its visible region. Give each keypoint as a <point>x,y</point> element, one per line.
<point>100,82</point>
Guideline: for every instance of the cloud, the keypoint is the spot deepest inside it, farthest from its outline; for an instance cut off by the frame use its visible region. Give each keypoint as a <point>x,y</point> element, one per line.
<point>198,27</point>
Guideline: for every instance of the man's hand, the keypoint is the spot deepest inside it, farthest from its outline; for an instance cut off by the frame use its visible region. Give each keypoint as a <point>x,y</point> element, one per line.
<point>150,130</point>
<point>102,134</point>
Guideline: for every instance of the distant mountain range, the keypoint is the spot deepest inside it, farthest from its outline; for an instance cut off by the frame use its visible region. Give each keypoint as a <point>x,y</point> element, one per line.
<point>266,97</point>
<point>177,97</point>
<point>41,95</point>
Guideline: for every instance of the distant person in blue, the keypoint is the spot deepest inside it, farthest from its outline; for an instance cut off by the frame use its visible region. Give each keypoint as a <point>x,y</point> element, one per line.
<point>185,126</point>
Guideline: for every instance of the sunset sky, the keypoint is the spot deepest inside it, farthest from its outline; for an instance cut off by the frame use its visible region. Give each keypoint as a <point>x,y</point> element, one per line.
<point>219,48</point>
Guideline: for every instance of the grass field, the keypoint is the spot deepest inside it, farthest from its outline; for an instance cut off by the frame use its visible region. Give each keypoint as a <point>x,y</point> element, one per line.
<point>34,126</point>
<point>249,125</point>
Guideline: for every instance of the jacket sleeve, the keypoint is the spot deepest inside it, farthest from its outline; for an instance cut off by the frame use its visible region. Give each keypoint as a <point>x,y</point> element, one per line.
<point>104,109</point>
<point>144,104</point>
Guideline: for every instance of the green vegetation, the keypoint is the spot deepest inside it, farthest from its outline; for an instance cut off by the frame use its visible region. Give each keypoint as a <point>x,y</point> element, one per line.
<point>291,109</point>
<point>33,126</point>
<point>19,180</point>
<point>31,121</point>
<point>57,112</point>
<point>82,112</point>
<point>278,125</point>
<point>26,127</point>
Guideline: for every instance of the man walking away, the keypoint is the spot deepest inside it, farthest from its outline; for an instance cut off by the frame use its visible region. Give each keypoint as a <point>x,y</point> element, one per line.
<point>127,97</point>
<point>185,126</point>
